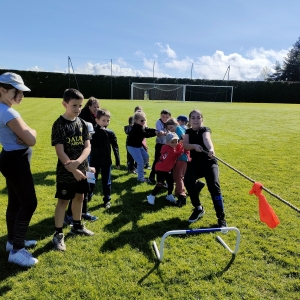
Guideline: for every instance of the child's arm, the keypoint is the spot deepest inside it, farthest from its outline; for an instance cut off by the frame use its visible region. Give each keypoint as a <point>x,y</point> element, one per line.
<point>26,135</point>
<point>72,165</point>
<point>150,132</point>
<point>115,147</point>
<point>63,157</point>
<point>179,149</point>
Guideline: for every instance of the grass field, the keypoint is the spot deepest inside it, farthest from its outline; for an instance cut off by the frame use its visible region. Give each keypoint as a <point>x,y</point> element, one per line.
<point>260,140</point>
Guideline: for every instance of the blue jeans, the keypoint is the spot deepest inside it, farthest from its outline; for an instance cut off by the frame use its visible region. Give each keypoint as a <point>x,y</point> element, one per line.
<point>141,157</point>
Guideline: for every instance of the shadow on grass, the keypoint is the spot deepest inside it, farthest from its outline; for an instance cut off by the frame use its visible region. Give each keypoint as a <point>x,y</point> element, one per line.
<point>150,272</point>
<point>220,273</point>
<point>41,178</point>
<point>38,231</point>
<point>140,236</point>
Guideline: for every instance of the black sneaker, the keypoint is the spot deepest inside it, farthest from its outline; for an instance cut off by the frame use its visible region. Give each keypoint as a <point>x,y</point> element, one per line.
<point>181,201</point>
<point>199,186</point>
<point>196,214</point>
<point>222,223</point>
<point>151,181</point>
<point>82,231</point>
<point>89,217</point>
<point>68,220</point>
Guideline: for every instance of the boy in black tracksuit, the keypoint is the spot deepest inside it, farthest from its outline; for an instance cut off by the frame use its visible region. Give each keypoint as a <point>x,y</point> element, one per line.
<point>100,158</point>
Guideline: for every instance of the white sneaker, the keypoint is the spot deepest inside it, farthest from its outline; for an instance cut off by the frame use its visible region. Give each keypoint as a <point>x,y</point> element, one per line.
<point>151,199</point>
<point>22,258</point>
<point>27,244</point>
<point>171,198</point>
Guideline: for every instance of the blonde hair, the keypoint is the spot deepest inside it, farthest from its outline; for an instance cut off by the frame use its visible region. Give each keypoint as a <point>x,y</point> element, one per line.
<point>172,121</point>
<point>138,115</point>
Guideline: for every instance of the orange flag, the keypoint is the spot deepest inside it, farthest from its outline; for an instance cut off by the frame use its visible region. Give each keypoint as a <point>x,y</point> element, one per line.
<point>266,212</point>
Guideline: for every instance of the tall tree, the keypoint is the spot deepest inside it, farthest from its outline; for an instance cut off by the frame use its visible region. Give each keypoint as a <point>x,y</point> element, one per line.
<point>277,75</point>
<point>291,64</point>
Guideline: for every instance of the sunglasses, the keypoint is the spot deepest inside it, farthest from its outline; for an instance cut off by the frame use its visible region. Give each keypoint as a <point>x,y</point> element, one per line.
<point>142,121</point>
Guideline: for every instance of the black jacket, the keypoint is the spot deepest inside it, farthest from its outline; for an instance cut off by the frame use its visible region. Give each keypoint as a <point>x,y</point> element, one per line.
<point>101,143</point>
<point>87,116</point>
<point>138,133</point>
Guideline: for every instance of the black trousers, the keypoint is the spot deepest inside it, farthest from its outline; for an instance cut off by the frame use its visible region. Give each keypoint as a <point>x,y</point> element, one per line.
<point>105,171</point>
<point>22,201</point>
<point>210,171</point>
<point>156,157</point>
<point>161,178</point>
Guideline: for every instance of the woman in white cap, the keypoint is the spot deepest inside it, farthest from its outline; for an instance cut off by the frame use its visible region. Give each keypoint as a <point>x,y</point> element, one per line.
<point>16,138</point>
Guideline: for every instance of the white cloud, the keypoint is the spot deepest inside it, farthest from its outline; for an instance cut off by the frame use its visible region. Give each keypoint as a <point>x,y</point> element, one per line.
<point>180,65</point>
<point>170,52</point>
<point>246,67</point>
<point>241,68</point>
<point>35,68</point>
<point>139,53</point>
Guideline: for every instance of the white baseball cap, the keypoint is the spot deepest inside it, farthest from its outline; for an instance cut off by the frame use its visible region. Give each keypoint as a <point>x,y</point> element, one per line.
<point>171,136</point>
<point>15,80</point>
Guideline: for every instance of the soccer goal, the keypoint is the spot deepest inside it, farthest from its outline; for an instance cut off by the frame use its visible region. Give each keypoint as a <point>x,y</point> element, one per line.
<point>209,93</point>
<point>156,91</point>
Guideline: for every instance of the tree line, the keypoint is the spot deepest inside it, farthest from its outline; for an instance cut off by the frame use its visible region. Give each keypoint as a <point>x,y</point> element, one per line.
<point>290,68</point>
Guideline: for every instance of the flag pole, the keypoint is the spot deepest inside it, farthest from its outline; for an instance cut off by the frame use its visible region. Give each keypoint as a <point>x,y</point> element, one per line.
<point>250,179</point>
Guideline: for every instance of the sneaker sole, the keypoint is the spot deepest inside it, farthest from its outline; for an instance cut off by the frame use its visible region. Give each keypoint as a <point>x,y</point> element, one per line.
<point>199,217</point>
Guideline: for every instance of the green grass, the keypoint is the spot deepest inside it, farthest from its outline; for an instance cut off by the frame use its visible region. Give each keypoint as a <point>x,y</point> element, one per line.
<point>260,140</point>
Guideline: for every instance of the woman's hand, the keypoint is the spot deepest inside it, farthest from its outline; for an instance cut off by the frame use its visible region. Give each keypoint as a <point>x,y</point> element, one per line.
<point>211,153</point>
<point>198,148</point>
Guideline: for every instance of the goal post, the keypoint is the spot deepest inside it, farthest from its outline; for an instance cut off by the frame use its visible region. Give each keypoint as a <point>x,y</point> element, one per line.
<point>157,91</point>
<point>181,92</point>
<point>209,93</point>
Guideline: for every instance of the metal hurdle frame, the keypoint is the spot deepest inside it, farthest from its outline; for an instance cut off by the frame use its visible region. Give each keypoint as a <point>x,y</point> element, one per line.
<point>160,254</point>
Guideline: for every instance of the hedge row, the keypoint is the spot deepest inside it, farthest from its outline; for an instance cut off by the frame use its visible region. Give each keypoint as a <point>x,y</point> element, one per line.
<point>52,85</point>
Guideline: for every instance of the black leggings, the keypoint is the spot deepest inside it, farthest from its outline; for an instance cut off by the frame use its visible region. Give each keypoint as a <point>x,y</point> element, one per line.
<point>161,177</point>
<point>22,201</point>
<point>210,171</point>
<point>156,157</point>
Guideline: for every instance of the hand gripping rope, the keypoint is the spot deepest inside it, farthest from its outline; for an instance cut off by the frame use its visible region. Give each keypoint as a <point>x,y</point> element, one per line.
<point>160,254</point>
<point>265,189</point>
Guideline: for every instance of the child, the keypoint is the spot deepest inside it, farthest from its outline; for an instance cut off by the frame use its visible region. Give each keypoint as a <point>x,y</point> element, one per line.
<point>169,154</point>
<point>196,139</point>
<point>135,142</point>
<point>147,165</point>
<point>71,139</point>
<point>88,113</point>
<point>85,215</point>
<point>160,141</point>
<point>181,163</point>
<point>16,138</point>
<point>182,121</point>
<point>103,140</point>
<point>130,161</point>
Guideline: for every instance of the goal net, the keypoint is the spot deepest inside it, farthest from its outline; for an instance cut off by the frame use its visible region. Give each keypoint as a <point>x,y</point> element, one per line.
<point>156,91</point>
<point>209,93</point>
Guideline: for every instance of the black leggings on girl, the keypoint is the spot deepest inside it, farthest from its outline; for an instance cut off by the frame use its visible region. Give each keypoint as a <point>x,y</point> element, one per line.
<point>22,201</point>
<point>210,171</point>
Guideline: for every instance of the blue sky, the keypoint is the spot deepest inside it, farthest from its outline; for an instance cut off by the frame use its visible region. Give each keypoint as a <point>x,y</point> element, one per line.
<point>175,38</point>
